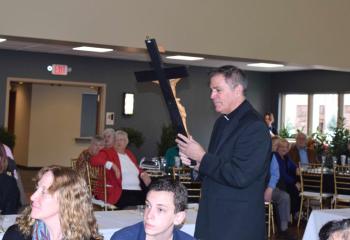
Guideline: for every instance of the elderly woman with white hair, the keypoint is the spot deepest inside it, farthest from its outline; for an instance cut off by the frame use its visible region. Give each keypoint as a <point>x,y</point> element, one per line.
<point>123,172</point>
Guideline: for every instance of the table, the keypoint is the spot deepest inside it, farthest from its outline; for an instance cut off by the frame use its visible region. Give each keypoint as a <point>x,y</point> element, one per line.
<point>111,221</point>
<point>319,217</point>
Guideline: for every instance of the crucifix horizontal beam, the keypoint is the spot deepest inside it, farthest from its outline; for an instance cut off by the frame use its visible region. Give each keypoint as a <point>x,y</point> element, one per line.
<point>163,75</point>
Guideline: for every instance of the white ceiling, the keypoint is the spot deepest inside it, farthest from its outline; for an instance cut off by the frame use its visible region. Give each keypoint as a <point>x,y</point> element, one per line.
<point>134,54</point>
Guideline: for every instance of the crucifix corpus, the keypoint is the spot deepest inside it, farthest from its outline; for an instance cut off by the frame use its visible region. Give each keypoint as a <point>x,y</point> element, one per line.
<point>167,78</point>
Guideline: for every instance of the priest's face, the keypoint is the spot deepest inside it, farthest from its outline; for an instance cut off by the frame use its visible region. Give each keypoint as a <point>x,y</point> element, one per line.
<point>225,97</point>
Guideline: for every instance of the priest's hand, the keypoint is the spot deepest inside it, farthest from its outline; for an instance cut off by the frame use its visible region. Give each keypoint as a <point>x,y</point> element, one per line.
<point>189,150</point>
<point>187,161</point>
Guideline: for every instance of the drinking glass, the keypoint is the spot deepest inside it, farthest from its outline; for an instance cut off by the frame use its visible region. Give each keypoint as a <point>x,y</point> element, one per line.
<point>141,209</point>
<point>342,160</point>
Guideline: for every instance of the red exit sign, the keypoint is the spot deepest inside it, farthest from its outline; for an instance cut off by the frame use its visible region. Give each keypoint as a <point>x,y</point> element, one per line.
<point>59,69</point>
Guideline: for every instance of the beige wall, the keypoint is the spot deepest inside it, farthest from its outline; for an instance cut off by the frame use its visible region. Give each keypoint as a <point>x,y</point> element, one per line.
<point>54,124</point>
<point>310,32</point>
<point>23,100</point>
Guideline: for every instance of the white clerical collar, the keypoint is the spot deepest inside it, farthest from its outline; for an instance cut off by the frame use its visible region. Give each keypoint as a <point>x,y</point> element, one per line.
<point>226,117</point>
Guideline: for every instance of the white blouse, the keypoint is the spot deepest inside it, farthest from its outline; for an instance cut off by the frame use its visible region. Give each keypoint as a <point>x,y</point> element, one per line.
<point>130,173</point>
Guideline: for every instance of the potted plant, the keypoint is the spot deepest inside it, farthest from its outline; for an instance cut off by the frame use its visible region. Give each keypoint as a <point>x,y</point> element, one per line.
<point>284,133</point>
<point>340,138</point>
<point>135,137</point>
<point>167,139</point>
<point>320,141</point>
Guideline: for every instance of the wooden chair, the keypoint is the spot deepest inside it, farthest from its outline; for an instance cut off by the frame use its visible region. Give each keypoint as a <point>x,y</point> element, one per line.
<point>269,218</point>
<point>183,174</point>
<point>155,173</point>
<point>98,185</point>
<point>311,177</point>
<point>341,197</point>
<point>73,162</point>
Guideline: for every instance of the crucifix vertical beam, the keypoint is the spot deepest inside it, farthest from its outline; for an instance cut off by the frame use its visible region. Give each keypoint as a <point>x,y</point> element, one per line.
<point>163,75</point>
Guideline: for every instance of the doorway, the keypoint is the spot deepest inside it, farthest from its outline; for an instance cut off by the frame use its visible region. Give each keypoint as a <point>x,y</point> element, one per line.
<point>46,117</point>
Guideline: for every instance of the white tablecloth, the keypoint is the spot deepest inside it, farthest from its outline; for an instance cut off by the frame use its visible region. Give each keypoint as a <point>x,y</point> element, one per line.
<point>319,217</point>
<point>111,221</point>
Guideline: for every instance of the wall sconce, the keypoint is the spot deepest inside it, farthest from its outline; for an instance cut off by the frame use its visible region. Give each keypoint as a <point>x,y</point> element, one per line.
<point>128,109</point>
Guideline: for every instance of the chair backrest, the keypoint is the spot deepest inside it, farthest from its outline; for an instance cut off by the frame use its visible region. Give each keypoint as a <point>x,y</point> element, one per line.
<point>183,174</point>
<point>341,180</point>
<point>155,173</point>
<point>97,181</point>
<point>311,177</point>
<point>73,162</point>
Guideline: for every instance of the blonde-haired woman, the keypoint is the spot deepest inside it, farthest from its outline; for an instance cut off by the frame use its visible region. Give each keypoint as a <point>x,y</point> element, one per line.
<point>61,209</point>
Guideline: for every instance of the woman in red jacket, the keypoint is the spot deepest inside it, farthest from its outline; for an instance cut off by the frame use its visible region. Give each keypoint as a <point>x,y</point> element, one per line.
<point>123,173</point>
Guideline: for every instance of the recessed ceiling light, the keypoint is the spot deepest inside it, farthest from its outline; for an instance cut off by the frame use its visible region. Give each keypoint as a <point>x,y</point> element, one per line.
<point>2,39</point>
<point>185,58</point>
<point>265,65</point>
<point>93,49</point>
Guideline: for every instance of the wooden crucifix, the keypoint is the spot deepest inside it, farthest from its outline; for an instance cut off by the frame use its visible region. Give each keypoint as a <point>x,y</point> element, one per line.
<point>163,75</point>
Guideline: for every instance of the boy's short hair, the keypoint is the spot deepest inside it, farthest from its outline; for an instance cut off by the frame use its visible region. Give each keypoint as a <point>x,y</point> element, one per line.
<point>179,190</point>
<point>342,227</point>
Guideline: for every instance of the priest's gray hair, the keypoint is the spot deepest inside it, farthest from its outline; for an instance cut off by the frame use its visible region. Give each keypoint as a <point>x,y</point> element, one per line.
<point>233,76</point>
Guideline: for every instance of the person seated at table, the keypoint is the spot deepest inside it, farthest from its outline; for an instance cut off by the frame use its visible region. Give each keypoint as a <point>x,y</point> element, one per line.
<point>276,193</point>
<point>170,155</point>
<point>9,192</point>
<point>347,152</point>
<point>12,170</point>
<point>335,230</point>
<point>288,171</point>
<point>299,152</point>
<point>269,120</point>
<point>123,173</point>
<point>61,209</point>
<point>165,207</point>
<point>96,144</point>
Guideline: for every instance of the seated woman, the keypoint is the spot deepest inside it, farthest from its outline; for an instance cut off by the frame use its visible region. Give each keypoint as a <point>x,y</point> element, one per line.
<point>123,172</point>
<point>96,144</point>
<point>288,171</point>
<point>12,170</point>
<point>9,192</point>
<point>61,209</point>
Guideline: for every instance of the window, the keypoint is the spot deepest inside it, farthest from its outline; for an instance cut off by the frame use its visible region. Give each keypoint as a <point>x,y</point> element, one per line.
<point>311,112</point>
<point>325,112</point>
<point>88,124</point>
<point>346,110</point>
<point>296,113</point>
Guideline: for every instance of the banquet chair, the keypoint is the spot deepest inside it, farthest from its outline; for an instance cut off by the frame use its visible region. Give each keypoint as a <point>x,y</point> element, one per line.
<point>269,218</point>
<point>311,177</point>
<point>97,184</point>
<point>73,162</point>
<point>341,197</point>
<point>183,174</point>
<point>155,173</point>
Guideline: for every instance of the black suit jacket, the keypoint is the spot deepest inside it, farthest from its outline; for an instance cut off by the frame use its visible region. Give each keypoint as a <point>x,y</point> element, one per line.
<point>233,172</point>
<point>9,194</point>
